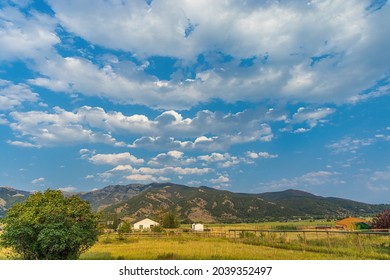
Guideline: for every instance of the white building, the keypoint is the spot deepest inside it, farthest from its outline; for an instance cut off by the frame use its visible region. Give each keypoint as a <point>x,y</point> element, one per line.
<point>197,227</point>
<point>145,224</point>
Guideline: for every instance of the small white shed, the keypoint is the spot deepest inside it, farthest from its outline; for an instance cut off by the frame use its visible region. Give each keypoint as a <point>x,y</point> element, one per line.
<point>197,227</point>
<point>145,224</point>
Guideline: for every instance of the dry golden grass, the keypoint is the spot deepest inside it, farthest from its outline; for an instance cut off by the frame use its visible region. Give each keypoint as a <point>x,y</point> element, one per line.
<point>193,249</point>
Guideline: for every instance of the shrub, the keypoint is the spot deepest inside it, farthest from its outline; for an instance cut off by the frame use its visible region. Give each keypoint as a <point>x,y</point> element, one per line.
<point>50,226</point>
<point>382,220</point>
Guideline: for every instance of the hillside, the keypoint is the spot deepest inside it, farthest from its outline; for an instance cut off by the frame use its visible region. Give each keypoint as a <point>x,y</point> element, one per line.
<point>102,198</point>
<point>10,196</point>
<point>322,206</point>
<point>200,204</point>
<point>210,205</point>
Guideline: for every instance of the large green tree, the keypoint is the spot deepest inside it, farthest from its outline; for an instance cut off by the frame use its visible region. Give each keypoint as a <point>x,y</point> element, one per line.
<point>50,226</point>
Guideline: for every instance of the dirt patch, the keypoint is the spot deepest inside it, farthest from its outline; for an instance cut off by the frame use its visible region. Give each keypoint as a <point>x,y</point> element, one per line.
<point>228,203</point>
<point>2,202</point>
<point>200,202</point>
<point>199,214</point>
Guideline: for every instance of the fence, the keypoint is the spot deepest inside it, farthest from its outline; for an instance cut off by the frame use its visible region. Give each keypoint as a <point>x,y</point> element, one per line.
<point>314,238</point>
<point>169,234</point>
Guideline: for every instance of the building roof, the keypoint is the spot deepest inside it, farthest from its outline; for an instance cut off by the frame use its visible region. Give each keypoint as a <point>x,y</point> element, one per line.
<point>138,221</point>
<point>350,221</point>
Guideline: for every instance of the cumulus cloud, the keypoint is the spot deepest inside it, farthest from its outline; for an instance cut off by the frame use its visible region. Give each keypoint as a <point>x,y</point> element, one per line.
<point>128,173</point>
<point>79,75</point>
<point>25,37</point>
<point>115,159</point>
<point>254,155</point>
<point>13,95</point>
<point>38,181</point>
<point>171,158</point>
<point>220,179</point>
<point>316,53</point>
<point>214,157</point>
<point>168,131</point>
<point>141,178</point>
<point>312,53</point>
<point>60,128</point>
<point>307,117</point>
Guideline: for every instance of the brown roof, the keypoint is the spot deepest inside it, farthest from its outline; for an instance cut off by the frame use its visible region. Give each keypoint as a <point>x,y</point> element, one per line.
<point>348,222</point>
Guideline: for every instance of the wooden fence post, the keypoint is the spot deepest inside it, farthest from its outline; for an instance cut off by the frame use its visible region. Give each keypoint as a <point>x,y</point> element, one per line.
<point>360,244</point>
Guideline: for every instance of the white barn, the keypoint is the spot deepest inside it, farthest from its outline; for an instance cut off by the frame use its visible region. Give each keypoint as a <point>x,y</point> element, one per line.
<point>145,224</point>
<point>197,227</point>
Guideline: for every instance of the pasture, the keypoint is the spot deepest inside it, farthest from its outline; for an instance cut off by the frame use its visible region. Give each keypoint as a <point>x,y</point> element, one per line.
<point>281,245</point>
<point>268,241</point>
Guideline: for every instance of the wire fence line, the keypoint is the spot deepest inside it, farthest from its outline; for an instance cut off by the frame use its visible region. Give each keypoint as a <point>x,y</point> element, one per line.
<point>239,233</point>
<point>304,239</point>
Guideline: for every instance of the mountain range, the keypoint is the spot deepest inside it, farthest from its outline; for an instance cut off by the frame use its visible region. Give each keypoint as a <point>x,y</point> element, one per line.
<point>208,205</point>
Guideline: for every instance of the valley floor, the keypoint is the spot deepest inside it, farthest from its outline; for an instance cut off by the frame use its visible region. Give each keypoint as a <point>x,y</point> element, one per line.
<point>247,248</point>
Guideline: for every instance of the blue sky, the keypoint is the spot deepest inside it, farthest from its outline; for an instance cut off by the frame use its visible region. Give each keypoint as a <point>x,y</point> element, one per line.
<point>245,96</point>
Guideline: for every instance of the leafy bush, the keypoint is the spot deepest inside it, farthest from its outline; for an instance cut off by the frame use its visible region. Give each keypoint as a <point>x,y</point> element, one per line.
<point>50,226</point>
<point>382,220</point>
<point>157,229</point>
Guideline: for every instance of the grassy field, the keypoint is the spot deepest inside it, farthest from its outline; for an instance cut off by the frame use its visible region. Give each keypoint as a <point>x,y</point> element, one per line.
<point>246,245</point>
<point>190,249</point>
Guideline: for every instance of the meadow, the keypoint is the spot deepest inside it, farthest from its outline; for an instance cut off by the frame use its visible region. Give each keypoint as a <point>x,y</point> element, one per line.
<point>247,245</point>
<point>269,241</point>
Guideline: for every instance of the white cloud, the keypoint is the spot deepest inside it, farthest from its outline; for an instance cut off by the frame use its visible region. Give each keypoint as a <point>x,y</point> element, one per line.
<point>79,75</point>
<point>25,37</point>
<point>115,159</point>
<point>214,157</point>
<point>173,170</point>
<point>254,155</point>
<point>68,189</point>
<point>23,144</point>
<point>379,181</point>
<point>14,95</point>
<point>383,137</point>
<point>316,53</point>
<point>141,177</point>
<point>381,175</point>
<point>38,181</point>
<point>311,116</point>
<point>3,120</point>
<point>308,117</point>
<point>59,128</point>
<point>147,174</point>
<point>167,131</point>
<point>60,86</point>
<point>171,158</point>
<point>315,178</point>
<point>347,144</point>
<point>175,154</point>
<point>220,179</point>
<point>146,178</point>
